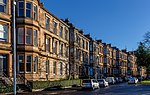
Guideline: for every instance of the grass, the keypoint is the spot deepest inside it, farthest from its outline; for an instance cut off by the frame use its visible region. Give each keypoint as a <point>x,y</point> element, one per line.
<point>146,82</point>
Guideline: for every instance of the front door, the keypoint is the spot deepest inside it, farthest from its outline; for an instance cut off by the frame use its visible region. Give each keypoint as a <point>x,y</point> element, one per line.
<point>3,64</point>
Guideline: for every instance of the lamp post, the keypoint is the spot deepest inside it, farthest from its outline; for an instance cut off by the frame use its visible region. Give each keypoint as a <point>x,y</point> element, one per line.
<point>14,46</point>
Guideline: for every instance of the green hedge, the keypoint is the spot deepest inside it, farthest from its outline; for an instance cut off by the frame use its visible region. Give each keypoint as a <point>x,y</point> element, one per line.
<point>62,83</point>
<point>6,90</point>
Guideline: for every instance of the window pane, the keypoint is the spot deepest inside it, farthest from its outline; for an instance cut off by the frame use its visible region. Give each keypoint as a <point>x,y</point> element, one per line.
<point>54,68</point>
<point>47,23</point>
<point>28,9</point>
<point>3,32</point>
<point>61,67</point>
<point>35,64</point>
<point>35,38</point>
<point>29,36</point>
<point>48,44</point>
<point>21,63</point>
<point>55,28</point>
<point>47,66</point>
<point>21,9</point>
<point>28,63</point>
<point>3,4</point>
<point>35,12</point>
<point>20,35</point>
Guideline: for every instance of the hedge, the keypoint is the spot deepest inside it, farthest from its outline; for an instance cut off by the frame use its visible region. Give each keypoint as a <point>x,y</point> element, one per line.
<point>62,83</point>
<point>6,89</point>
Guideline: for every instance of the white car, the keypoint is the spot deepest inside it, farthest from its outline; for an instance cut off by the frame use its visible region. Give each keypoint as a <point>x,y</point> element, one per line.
<point>90,83</point>
<point>133,80</point>
<point>103,83</point>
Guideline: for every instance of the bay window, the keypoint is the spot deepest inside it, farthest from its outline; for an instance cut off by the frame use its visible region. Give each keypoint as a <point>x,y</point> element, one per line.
<point>28,63</point>
<point>28,9</point>
<point>28,36</point>
<point>20,35</point>
<point>3,6</point>
<point>3,32</point>
<point>21,8</point>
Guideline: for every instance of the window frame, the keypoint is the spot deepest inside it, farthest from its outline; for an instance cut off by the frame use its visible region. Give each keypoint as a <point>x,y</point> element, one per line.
<point>54,67</point>
<point>55,27</point>
<point>21,62</point>
<point>28,63</point>
<point>47,67</point>
<point>4,5</point>
<point>21,9</point>
<point>61,31</point>
<point>28,9</point>
<point>61,68</point>
<point>4,33</point>
<point>22,36</point>
<point>26,31</point>
<point>35,64</point>
<point>35,10</point>
<point>35,38</point>
<point>47,23</point>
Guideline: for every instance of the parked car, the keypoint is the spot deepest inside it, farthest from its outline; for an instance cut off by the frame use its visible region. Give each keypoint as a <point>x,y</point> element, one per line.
<point>90,83</point>
<point>110,80</point>
<point>133,80</point>
<point>120,79</point>
<point>103,83</point>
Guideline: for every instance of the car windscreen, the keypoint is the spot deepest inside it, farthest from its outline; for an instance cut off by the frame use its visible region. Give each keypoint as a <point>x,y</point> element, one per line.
<point>86,81</point>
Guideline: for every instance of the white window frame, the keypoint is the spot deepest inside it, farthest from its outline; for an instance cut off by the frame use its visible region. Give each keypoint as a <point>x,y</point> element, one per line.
<point>4,32</point>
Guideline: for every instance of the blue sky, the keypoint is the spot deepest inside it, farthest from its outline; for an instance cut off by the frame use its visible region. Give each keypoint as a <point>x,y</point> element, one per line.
<point>119,22</point>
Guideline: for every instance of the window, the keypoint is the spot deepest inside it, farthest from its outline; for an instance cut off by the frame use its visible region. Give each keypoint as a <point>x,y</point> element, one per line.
<point>28,36</point>
<point>54,68</point>
<point>61,31</point>
<point>35,64</point>
<point>47,44</point>
<point>3,5</point>
<point>86,45</point>
<point>47,23</point>
<point>67,51</point>
<point>66,34</point>
<point>47,66</point>
<point>82,43</point>
<point>35,38</point>
<point>61,49</point>
<point>61,68</point>
<point>28,9</point>
<point>3,32</point>
<point>35,12</point>
<point>20,35</point>
<point>21,9</point>
<point>55,28</point>
<point>28,63</point>
<point>91,47</point>
<point>21,63</point>
<point>55,47</point>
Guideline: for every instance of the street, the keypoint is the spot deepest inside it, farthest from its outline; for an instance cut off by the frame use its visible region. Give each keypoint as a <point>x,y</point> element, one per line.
<point>118,89</point>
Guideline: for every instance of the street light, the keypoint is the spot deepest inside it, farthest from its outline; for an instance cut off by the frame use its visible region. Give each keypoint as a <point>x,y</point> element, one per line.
<point>14,46</point>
